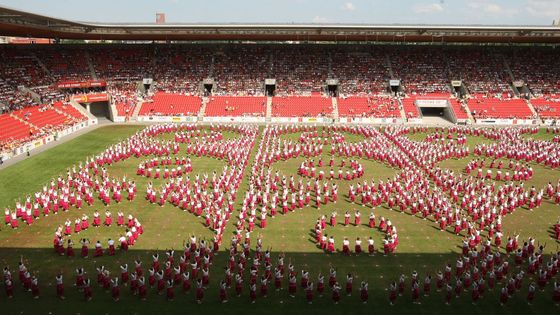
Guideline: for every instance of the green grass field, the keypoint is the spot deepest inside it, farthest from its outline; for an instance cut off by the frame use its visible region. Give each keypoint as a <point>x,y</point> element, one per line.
<point>422,246</point>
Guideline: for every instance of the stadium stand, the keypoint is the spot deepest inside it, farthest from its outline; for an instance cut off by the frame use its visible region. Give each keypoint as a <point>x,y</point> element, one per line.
<point>458,108</point>
<point>236,106</point>
<point>498,108</point>
<point>375,106</point>
<point>410,109</point>
<point>302,106</point>
<point>547,107</point>
<point>165,104</point>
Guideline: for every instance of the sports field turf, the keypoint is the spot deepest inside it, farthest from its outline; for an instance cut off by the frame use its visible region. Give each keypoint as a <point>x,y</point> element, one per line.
<point>423,247</point>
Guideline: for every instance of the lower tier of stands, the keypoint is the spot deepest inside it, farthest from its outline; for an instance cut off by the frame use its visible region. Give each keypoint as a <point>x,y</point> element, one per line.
<point>42,116</point>
<point>236,106</point>
<point>69,110</point>
<point>125,108</point>
<point>498,108</point>
<point>378,107</point>
<point>12,129</point>
<point>410,109</point>
<point>459,109</point>
<point>547,108</point>
<point>165,104</point>
<point>302,106</point>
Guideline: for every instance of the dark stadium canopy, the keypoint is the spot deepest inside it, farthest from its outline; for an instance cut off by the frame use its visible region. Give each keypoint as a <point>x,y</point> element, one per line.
<point>24,24</point>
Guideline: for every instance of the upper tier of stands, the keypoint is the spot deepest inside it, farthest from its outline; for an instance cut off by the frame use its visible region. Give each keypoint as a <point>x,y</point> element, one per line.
<point>538,67</point>
<point>236,106</point>
<point>422,70</point>
<point>360,72</point>
<point>240,69</point>
<point>482,69</point>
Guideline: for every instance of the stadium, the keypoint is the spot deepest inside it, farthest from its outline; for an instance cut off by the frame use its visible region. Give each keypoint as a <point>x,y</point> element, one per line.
<point>278,168</point>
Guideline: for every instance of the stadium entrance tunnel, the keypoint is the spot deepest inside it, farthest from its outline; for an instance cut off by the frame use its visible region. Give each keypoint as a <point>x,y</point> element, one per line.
<point>98,109</point>
<point>439,112</point>
<point>432,111</point>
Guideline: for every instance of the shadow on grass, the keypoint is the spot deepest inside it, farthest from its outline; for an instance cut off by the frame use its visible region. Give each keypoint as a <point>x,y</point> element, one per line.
<point>378,270</point>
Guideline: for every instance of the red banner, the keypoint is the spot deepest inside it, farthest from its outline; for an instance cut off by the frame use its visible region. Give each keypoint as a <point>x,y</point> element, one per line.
<point>91,98</point>
<point>80,84</point>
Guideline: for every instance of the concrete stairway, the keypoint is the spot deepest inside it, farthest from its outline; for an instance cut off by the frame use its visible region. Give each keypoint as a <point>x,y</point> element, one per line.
<point>24,121</point>
<point>268,108</point>
<point>401,109</point>
<point>469,114</point>
<point>36,97</point>
<point>335,108</point>
<point>532,108</point>
<point>136,111</point>
<point>42,65</point>
<point>90,66</point>
<point>389,67</point>
<point>202,111</point>
<point>84,112</point>
<point>113,113</point>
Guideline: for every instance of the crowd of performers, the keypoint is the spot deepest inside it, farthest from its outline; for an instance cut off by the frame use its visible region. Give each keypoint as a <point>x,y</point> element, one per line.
<point>209,196</point>
<point>469,204</point>
<point>514,172</point>
<point>62,235</point>
<point>245,271</point>
<point>309,169</point>
<point>482,268</point>
<point>251,273</point>
<point>90,180</point>
<point>327,242</point>
<point>171,167</point>
<point>74,192</point>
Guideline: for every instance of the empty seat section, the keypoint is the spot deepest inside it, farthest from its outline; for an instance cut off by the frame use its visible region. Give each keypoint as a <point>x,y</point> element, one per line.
<point>301,106</point>
<point>497,108</point>
<point>236,106</point>
<point>164,104</point>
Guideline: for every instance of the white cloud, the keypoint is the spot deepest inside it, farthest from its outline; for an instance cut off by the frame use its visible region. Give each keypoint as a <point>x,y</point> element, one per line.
<point>544,8</point>
<point>428,8</point>
<point>348,6</point>
<point>320,19</point>
<point>491,8</point>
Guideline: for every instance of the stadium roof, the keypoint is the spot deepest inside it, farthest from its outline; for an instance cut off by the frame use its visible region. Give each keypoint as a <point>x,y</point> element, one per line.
<point>25,24</point>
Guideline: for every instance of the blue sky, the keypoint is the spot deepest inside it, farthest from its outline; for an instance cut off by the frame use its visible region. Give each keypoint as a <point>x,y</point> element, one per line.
<point>493,12</point>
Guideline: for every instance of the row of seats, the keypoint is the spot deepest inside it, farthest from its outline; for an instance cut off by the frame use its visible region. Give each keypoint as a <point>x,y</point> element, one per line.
<point>458,108</point>
<point>12,129</point>
<point>302,106</point>
<point>410,109</point>
<point>165,104</point>
<point>41,116</point>
<point>69,110</point>
<point>236,106</point>
<point>379,107</point>
<point>498,108</point>
<point>547,108</point>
